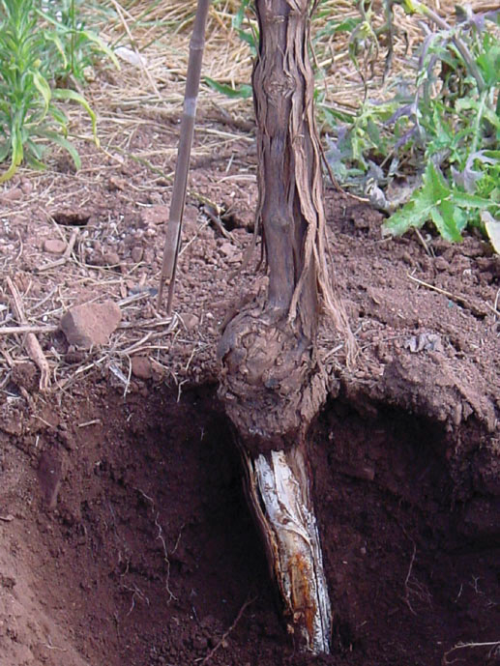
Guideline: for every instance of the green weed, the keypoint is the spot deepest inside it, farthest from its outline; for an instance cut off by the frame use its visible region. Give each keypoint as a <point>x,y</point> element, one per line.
<point>441,129</point>
<point>75,47</point>
<point>36,56</point>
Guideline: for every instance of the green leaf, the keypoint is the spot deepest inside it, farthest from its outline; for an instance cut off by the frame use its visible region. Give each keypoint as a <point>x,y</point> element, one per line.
<point>67,94</point>
<point>101,46</point>
<point>4,151</point>
<point>408,217</point>
<point>438,189</point>
<point>335,115</point>
<point>67,145</point>
<point>471,200</point>
<point>243,92</point>
<point>444,219</point>
<point>436,201</point>
<point>17,154</point>
<point>43,88</point>
<point>418,211</point>
<point>489,60</point>
<point>60,117</point>
<point>52,37</point>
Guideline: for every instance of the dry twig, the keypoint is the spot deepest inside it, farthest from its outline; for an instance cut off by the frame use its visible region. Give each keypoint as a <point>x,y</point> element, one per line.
<point>64,258</point>
<point>31,342</point>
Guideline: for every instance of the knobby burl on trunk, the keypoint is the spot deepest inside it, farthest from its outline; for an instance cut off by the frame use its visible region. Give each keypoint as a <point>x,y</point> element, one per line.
<point>271,381</point>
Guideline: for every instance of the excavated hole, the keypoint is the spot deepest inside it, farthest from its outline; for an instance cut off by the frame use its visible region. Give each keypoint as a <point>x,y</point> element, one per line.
<point>151,552</point>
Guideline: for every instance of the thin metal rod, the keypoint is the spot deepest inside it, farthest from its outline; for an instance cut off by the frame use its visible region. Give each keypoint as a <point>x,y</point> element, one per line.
<point>173,228</point>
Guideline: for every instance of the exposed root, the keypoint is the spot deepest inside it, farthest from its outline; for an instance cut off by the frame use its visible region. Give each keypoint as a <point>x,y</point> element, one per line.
<point>226,633</point>
<point>161,538</point>
<point>279,490</point>
<point>493,652</point>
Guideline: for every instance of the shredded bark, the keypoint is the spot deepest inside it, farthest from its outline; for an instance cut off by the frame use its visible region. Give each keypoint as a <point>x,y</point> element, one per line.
<point>271,380</point>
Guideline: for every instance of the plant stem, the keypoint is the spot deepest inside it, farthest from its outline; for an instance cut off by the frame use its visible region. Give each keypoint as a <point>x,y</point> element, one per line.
<point>462,48</point>
<point>477,121</point>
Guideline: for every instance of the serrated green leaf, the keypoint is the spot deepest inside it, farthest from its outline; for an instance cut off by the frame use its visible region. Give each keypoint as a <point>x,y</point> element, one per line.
<point>461,218</point>
<point>334,115</point>
<point>419,210</point>
<point>444,219</point>
<point>404,219</point>
<point>471,200</point>
<point>438,188</point>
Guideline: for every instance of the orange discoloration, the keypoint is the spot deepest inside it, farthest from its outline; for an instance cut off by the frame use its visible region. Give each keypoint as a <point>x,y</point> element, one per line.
<point>302,601</point>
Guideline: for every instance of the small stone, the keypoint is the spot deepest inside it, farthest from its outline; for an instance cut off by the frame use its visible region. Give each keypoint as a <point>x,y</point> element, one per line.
<point>90,323</point>
<point>50,474</point>
<point>11,422</point>
<point>228,249</point>
<point>74,356</point>
<point>190,217</point>
<point>13,194</point>
<point>136,254</point>
<point>236,258</point>
<point>110,258</point>
<point>155,198</point>
<point>103,258</point>
<point>26,186</point>
<point>71,217</point>
<point>191,321</point>
<point>441,264</point>
<point>141,367</point>
<point>55,246</point>
<point>24,375</point>
<point>115,184</point>
<point>155,215</point>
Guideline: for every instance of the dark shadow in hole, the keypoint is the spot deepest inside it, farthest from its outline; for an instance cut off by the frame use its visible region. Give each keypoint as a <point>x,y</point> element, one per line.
<point>71,218</point>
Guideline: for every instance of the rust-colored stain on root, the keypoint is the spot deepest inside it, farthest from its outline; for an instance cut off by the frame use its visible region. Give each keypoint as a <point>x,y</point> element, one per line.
<point>302,600</point>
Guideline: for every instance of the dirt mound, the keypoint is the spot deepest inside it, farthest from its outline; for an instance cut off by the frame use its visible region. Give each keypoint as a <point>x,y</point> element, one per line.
<point>150,553</point>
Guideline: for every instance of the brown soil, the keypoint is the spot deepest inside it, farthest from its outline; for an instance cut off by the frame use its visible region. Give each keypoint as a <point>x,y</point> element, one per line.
<point>124,534</point>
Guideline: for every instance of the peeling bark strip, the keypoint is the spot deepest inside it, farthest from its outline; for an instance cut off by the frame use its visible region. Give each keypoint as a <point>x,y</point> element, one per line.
<point>291,207</point>
<point>270,380</point>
